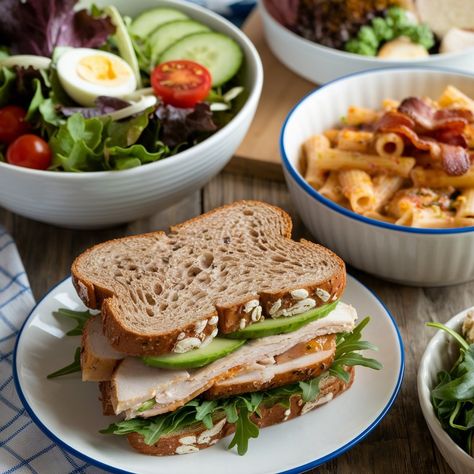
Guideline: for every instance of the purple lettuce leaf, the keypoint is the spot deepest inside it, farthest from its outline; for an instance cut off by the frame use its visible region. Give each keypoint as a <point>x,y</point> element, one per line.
<point>179,126</point>
<point>103,105</point>
<point>38,26</point>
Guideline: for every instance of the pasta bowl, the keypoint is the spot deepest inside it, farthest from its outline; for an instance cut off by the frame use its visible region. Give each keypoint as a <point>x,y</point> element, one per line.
<point>413,256</point>
<point>104,198</point>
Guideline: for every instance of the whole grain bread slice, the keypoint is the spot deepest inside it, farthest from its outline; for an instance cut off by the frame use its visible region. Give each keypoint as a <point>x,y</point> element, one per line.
<point>218,272</point>
<point>198,437</point>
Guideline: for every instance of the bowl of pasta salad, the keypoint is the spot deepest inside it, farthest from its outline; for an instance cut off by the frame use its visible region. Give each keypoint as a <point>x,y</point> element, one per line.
<point>122,117</point>
<point>379,166</point>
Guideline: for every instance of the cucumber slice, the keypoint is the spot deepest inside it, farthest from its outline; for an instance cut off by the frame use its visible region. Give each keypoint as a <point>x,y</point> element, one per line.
<point>270,327</point>
<point>219,53</point>
<point>169,33</point>
<point>216,349</point>
<point>149,20</point>
<point>124,43</point>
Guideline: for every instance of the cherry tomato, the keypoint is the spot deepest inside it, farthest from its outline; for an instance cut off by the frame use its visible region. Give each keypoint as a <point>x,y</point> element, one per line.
<point>12,123</point>
<point>29,151</point>
<point>181,83</point>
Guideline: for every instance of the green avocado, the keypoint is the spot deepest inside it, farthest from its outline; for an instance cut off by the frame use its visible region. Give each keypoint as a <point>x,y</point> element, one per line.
<point>282,325</point>
<point>216,349</point>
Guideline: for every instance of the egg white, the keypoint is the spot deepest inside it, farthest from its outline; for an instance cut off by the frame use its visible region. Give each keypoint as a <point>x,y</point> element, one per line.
<point>83,91</point>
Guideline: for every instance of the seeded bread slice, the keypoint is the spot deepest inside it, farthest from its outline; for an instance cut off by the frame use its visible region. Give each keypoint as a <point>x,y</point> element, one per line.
<point>198,437</point>
<point>218,272</point>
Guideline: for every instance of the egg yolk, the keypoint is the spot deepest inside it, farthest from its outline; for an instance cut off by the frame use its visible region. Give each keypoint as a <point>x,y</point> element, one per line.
<point>102,70</point>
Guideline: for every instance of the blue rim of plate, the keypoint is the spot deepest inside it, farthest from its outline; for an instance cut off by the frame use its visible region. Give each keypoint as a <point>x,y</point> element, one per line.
<point>299,469</point>
<point>336,207</point>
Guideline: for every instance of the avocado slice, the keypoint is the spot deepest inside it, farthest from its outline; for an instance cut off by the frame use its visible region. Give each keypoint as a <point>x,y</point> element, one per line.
<point>282,325</point>
<point>217,348</point>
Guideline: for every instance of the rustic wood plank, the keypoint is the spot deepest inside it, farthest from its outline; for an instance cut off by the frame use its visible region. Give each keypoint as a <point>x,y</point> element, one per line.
<point>401,443</point>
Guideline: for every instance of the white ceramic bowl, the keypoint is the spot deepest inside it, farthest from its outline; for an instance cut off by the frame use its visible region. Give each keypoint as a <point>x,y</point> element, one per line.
<point>425,257</point>
<point>321,64</point>
<point>100,199</point>
<point>440,354</point>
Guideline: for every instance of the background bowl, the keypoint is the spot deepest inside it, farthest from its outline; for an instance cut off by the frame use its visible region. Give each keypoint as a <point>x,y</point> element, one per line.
<point>104,198</point>
<point>321,64</point>
<point>425,257</point>
<point>440,354</point>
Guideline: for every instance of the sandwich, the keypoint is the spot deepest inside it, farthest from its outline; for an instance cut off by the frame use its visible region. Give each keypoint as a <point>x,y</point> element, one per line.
<point>225,325</point>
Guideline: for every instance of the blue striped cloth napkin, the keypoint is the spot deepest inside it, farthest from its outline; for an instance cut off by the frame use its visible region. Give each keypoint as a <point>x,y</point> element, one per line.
<point>23,447</point>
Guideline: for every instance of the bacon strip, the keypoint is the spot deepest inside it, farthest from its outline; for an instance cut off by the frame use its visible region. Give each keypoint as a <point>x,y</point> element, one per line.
<point>431,118</point>
<point>454,158</point>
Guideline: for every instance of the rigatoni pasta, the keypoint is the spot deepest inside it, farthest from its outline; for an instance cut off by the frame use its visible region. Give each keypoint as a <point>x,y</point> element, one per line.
<point>408,163</point>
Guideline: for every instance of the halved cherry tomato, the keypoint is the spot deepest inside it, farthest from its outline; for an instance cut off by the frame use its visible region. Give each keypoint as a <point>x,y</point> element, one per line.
<point>181,83</point>
<point>29,151</point>
<point>12,123</point>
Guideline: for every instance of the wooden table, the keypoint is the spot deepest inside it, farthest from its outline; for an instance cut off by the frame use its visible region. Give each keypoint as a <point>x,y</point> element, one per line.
<point>401,443</point>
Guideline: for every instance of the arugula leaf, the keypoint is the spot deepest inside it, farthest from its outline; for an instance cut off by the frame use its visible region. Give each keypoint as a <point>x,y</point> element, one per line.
<point>245,429</point>
<point>79,316</point>
<point>75,366</point>
<point>310,389</point>
<point>453,396</point>
<point>459,339</point>
<point>205,409</point>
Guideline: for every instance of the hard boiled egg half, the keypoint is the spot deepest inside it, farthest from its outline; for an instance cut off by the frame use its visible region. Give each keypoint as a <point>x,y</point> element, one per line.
<point>86,74</point>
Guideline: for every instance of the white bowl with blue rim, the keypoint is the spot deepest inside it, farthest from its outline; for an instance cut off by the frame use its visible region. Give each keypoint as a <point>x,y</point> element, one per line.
<point>412,256</point>
<point>321,64</point>
<point>104,198</point>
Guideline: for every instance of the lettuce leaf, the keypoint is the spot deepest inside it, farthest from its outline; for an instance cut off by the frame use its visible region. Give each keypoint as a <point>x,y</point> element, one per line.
<point>98,144</point>
<point>38,26</point>
<point>180,126</point>
<point>7,85</point>
<point>103,105</point>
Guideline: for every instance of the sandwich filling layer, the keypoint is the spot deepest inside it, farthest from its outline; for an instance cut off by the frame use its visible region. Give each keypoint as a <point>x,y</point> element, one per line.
<point>133,383</point>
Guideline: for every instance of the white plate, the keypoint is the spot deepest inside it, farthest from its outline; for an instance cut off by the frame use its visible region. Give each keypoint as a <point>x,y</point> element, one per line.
<point>69,412</point>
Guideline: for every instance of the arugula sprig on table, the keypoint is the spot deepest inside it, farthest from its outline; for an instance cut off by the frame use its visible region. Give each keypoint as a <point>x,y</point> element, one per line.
<point>453,397</point>
<point>243,409</point>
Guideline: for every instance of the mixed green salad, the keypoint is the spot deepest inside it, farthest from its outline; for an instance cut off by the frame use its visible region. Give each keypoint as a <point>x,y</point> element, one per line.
<point>453,396</point>
<point>92,90</point>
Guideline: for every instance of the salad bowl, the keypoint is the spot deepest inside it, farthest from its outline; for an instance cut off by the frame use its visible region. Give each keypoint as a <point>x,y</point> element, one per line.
<point>440,354</point>
<point>104,198</point>
<point>321,64</point>
<point>408,255</point>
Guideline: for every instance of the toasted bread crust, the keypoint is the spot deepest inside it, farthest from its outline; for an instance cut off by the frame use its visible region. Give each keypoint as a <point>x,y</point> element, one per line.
<point>271,415</point>
<point>231,318</point>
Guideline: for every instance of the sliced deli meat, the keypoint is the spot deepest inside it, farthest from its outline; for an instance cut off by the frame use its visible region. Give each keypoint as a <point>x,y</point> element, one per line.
<point>98,357</point>
<point>133,383</point>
